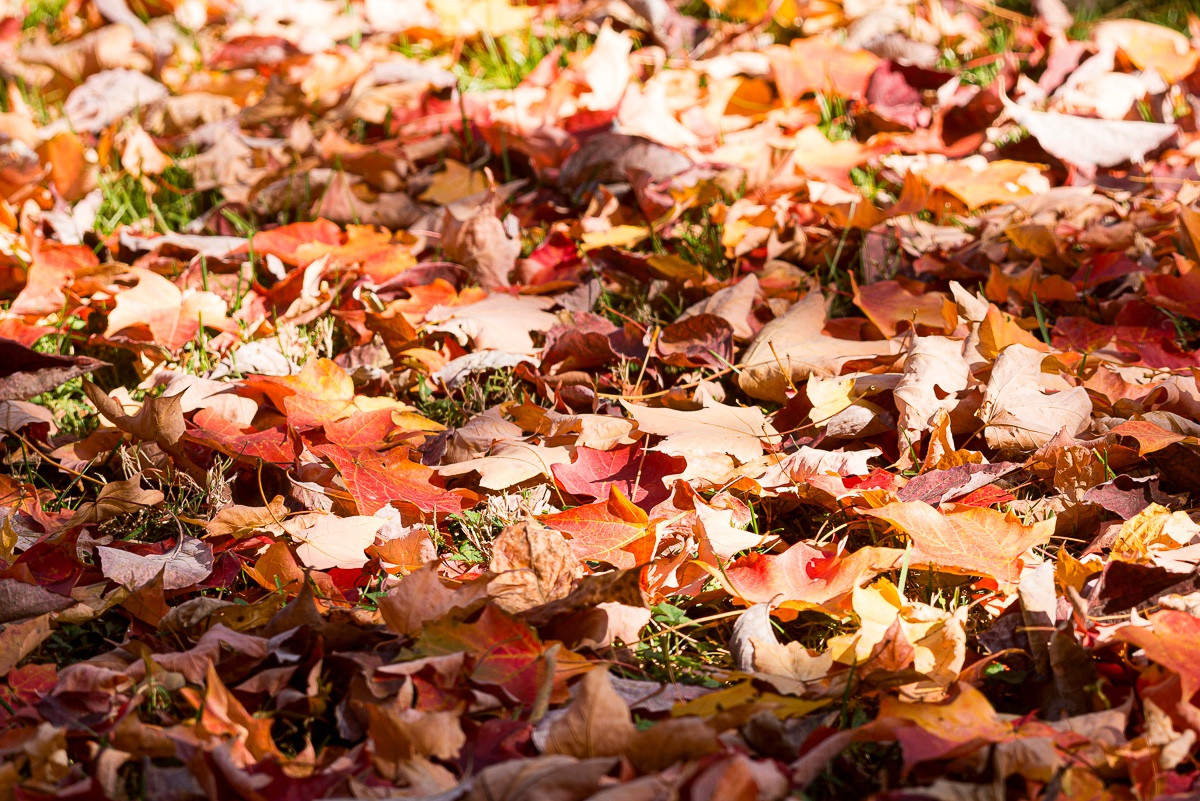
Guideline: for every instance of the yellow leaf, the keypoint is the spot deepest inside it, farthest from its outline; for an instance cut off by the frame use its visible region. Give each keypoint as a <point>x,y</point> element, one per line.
<point>742,694</point>
<point>474,17</point>
<point>619,236</point>
<point>454,183</point>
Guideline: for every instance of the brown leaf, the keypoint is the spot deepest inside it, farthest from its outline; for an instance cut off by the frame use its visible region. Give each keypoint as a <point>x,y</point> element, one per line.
<point>482,244</point>
<point>551,777</point>
<point>159,420</point>
<point>24,372</point>
<point>610,157</point>
<point>421,597</point>
<point>19,600</point>
<point>188,563</point>
<point>114,499</point>
<point>535,565</point>
<point>597,723</point>
<point>18,640</point>
<point>404,735</point>
<point>243,521</point>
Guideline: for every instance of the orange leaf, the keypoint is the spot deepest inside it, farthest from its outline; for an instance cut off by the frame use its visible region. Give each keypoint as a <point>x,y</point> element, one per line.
<point>285,242</point>
<point>321,392</point>
<point>613,531</point>
<point>979,184</point>
<point>378,479</point>
<point>158,311</point>
<point>804,576</point>
<point>889,303</point>
<point>1172,640</point>
<point>819,65</point>
<point>971,540</point>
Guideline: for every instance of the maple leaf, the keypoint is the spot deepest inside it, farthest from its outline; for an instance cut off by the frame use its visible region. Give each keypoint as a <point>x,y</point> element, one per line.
<point>1018,413</point>
<point>509,464</point>
<point>739,431</point>
<point>613,531</point>
<point>325,541</point>
<point>816,64</point>
<point>970,540</point>
<point>802,576</point>
<point>293,243</point>
<point>639,474</point>
<point>376,480</point>
<point>792,347</point>
<point>157,311</point>
<point>500,322</point>
<point>273,445</point>
<point>508,653</point>
<point>188,563</point>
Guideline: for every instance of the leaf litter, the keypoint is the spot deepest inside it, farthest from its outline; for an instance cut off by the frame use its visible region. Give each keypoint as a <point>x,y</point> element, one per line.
<point>463,399</point>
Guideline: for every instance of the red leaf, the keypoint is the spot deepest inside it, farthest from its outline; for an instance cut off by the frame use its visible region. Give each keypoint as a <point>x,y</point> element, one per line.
<point>285,242</point>
<point>273,445</point>
<point>639,474</point>
<point>378,479</point>
<point>508,652</point>
<point>613,531</point>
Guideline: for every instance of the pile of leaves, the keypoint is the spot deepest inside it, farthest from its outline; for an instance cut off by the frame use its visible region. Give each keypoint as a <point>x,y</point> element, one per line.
<point>463,399</point>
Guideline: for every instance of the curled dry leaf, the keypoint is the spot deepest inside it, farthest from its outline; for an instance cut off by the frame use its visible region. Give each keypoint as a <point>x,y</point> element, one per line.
<point>25,373</point>
<point>188,563</point>
<point>243,521</point>
<point>535,565</point>
<point>1018,414</point>
<point>792,347</point>
<point>114,499</point>
<point>483,244</point>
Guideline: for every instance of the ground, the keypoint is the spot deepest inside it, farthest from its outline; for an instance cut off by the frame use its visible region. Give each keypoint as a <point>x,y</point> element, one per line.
<point>728,399</point>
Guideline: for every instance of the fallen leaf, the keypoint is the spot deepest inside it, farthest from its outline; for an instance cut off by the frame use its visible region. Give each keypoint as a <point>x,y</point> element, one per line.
<point>792,348</point>
<point>1018,414</point>
<point>325,541</point>
<point>613,531</point>
<point>186,564</point>
<point>535,565</point>
<point>25,373</point>
<point>970,540</point>
<point>1092,143</point>
<point>597,723</point>
<point>157,310</point>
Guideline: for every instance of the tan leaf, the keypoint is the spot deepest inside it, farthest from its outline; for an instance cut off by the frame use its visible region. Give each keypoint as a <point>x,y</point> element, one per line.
<point>597,723</point>
<point>792,347</point>
<point>738,431</point>
<point>510,463</point>
<point>482,244</point>
<point>325,541</point>
<point>935,371</point>
<point>1018,414</point>
<point>242,521</point>
<point>965,539</point>
<point>500,322</point>
<point>535,565</point>
<point>422,596</point>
